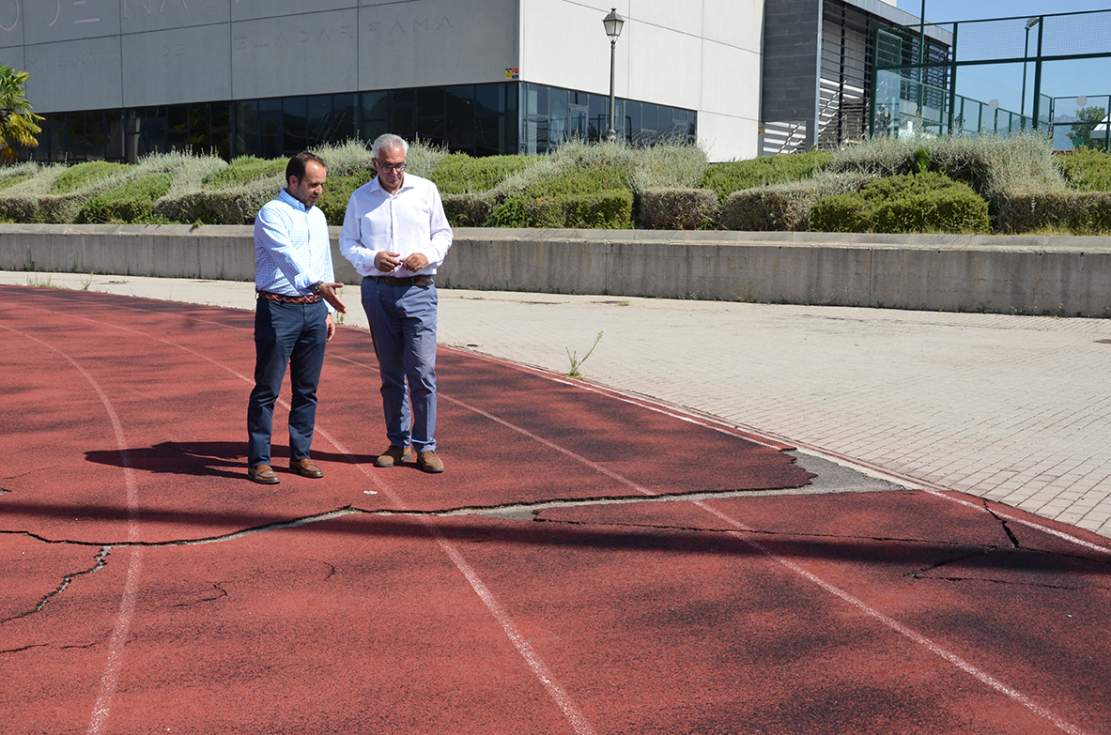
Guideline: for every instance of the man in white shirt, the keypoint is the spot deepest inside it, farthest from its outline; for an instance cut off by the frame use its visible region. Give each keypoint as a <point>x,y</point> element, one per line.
<point>396,235</point>
<point>296,290</point>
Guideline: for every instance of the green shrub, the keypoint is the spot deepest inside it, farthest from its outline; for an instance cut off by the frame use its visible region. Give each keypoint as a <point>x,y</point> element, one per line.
<point>1079,212</point>
<point>678,209</point>
<point>588,180</point>
<point>991,165</point>
<point>462,174</point>
<point>336,193</point>
<point>928,202</point>
<point>1087,169</point>
<point>604,210</point>
<point>467,210</point>
<point>726,178</point>
<point>784,207</point>
<point>9,181</point>
<point>86,174</point>
<point>129,202</point>
<point>245,170</point>
<point>218,207</point>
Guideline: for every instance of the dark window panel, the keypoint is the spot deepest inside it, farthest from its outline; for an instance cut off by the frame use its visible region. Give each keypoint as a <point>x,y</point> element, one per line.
<point>343,118</point>
<point>431,126</point>
<point>220,141</point>
<point>295,136</point>
<point>245,140</point>
<point>558,111</point>
<point>460,117</point>
<point>599,117</point>
<point>269,129</point>
<point>403,113</point>
<point>177,127</point>
<point>200,128</point>
<point>318,119</point>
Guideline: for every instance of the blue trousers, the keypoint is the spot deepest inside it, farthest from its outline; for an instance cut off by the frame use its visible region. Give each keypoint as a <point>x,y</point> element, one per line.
<point>293,335</point>
<point>402,321</point>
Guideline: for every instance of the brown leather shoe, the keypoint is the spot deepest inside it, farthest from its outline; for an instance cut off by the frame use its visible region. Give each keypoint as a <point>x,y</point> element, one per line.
<point>262,474</point>
<point>395,456</point>
<point>429,462</point>
<point>306,468</point>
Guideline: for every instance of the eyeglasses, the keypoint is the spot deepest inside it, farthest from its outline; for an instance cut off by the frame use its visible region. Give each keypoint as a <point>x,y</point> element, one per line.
<point>397,167</point>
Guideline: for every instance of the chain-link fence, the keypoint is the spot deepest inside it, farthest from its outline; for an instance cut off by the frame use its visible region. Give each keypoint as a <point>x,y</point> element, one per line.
<point>996,76</point>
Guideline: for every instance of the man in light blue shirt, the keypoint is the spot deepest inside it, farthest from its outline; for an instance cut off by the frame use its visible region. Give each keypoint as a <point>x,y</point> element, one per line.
<point>396,235</point>
<point>293,315</point>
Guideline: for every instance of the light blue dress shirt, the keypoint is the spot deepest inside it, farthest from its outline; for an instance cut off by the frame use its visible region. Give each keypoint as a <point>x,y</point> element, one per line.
<point>292,250</point>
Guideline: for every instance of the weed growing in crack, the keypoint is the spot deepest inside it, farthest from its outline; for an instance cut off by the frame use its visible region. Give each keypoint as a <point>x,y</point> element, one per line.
<point>576,362</point>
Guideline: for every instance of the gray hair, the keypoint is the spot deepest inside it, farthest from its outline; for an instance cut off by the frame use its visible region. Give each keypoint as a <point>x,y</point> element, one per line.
<point>389,141</point>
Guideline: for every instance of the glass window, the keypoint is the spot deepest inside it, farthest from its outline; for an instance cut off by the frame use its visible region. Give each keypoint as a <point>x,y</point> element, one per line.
<point>318,118</point>
<point>403,113</point>
<point>536,100</point>
<point>431,126</point>
<point>199,127</point>
<point>648,118</point>
<point>220,138</point>
<point>558,111</point>
<point>177,127</point>
<point>343,118</point>
<point>491,116</point>
<point>632,120</point>
<point>295,123</point>
<point>374,114</point>
<point>245,140</point>
<point>269,129</point>
<point>460,117</point>
<point>599,117</point>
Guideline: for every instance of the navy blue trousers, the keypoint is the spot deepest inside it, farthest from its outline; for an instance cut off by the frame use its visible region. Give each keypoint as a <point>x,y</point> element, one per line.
<point>293,335</point>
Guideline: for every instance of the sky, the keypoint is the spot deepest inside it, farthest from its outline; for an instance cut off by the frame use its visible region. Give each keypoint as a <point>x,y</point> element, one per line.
<point>1003,84</point>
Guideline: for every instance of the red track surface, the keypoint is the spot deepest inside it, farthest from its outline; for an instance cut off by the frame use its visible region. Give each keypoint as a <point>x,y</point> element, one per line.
<point>123,438</point>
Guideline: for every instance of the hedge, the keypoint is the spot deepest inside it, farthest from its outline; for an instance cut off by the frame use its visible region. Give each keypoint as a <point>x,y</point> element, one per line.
<point>246,170</point>
<point>784,207</point>
<point>927,202</point>
<point>1081,212</point>
<point>726,178</point>
<point>217,207</point>
<point>462,174</point>
<point>468,210</point>
<point>604,210</point>
<point>130,202</point>
<point>1087,169</point>
<point>85,174</point>
<point>678,209</point>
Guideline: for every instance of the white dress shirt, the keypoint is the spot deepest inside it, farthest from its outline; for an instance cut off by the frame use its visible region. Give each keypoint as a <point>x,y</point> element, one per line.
<point>292,250</point>
<point>408,221</point>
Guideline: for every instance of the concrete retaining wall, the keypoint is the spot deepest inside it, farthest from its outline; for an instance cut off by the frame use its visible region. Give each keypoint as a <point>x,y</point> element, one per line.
<point>1021,274</point>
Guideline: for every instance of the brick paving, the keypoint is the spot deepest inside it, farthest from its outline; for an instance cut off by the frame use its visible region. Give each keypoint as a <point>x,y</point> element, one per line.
<point>1011,408</point>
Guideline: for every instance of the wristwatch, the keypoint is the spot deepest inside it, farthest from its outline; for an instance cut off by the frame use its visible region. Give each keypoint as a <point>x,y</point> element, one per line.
<point>315,288</point>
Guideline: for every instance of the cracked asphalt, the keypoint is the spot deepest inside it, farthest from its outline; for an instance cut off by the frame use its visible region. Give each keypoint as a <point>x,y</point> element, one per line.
<point>591,562</point>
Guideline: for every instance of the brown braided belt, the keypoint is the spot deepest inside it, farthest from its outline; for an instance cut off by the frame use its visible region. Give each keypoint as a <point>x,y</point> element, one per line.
<point>283,299</point>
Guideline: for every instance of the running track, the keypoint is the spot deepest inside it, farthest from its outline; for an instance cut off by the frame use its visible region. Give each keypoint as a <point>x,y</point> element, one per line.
<point>148,587</point>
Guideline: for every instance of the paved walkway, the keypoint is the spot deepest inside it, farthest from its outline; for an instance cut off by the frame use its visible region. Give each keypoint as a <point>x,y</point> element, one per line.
<point>1011,408</point>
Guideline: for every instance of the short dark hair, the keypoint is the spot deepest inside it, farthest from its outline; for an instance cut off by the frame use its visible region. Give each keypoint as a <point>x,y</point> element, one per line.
<point>297,164</point>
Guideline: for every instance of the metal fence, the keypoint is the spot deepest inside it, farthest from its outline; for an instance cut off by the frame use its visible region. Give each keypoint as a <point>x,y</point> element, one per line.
<point>997,76</point>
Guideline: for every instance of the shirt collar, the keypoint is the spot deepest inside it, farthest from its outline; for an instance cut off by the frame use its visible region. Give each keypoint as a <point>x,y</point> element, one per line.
<point>406,183</point>
<point>291,200</point>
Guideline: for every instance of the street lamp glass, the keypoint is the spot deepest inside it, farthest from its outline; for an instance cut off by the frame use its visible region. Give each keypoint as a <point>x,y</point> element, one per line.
<point>1031,22</point>
<point>613,23</point>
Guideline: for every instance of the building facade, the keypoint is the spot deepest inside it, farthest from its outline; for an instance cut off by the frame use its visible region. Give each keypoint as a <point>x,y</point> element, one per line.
<point>118,78</point>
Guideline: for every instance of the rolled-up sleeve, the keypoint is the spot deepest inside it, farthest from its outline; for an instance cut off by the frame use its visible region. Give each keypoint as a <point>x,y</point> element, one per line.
<point>272,237</point>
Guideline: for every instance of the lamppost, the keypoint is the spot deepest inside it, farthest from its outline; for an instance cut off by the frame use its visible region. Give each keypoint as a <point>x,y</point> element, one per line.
<point>1030,23</point>
<point>612,24</point>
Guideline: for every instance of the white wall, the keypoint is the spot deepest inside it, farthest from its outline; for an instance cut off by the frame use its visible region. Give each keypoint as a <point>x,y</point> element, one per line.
<point>699,54</point>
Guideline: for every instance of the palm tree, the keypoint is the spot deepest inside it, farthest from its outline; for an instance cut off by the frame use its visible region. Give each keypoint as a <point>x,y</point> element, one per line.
<point>18,124</point>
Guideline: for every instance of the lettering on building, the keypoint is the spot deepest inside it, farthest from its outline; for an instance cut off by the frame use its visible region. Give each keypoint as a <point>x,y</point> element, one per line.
<point>82,13</point>
<point>411,26</point>
<point>9,15</point>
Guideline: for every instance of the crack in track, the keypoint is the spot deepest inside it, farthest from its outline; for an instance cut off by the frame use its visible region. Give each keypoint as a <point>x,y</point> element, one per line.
<point>1006,527</point>
<point>221,593</point>
<point>101,561</point>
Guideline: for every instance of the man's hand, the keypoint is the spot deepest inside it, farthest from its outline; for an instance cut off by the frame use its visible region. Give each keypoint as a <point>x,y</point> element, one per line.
<point>328,291</point>
<point>415,262</point>
<point>330,323</point>
<point>387,261</point>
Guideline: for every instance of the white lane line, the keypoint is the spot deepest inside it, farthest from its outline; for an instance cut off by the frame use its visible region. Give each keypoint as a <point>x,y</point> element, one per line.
<point>536,664</point>
<point>122,628</point>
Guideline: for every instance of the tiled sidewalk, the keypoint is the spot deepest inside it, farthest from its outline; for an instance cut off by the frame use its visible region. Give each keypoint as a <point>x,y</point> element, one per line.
<point>1016,409</point>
